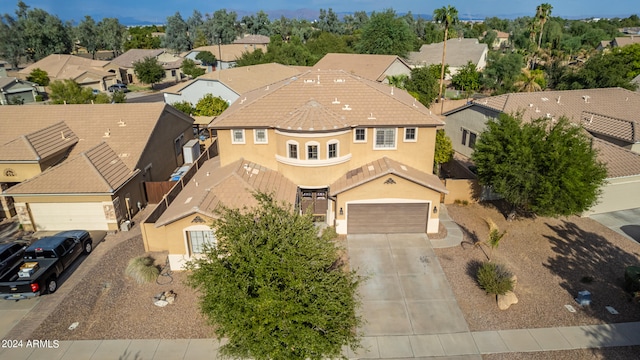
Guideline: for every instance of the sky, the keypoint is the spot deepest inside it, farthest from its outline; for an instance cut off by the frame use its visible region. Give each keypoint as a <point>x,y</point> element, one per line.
<point>156,11</point>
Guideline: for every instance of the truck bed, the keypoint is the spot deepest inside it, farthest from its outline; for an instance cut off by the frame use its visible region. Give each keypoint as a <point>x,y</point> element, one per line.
<point>12,283</point>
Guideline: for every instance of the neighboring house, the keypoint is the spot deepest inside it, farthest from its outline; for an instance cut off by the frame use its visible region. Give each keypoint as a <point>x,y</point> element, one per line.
<point>359,153</point>
<point>94,74</point>
<point>258,40</point>
<point>459,52</point>
<point>17,91</point>
<point>229,84</point>
<point>372,67</point>
<point>609,115</point>
<point>83,166</point>
<point>226,55</point>
<point>630,30</point>
<point>624,41</point>
<point>501,41</point>
<point>124,64</point>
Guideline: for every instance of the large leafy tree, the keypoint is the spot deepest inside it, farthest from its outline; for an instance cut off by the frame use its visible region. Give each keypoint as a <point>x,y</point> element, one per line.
<point>543,12</point>
<point>39,77</point>
<point>546,167</point>
<point>141,37</point>
<point>423,84</point>
<point>195,26</point>
<point>70,92</point>
<point>149,70</point>
<point>177,34</point>
<point>206,57</point>
<point>222,27</point>
<point>257,24</point>
<point>112,35</point>
<point>190,68</point>
<point>12,48</point>
<point>44,34</point>
<point>447,16</point>
<point>88,35</point>
<point>502,71</point>
<point>328,22</point>
<point>530,81</point>
<point>467,78</point>
<point>275,288</point>
<point>385,33</point>
<point>210,105</point>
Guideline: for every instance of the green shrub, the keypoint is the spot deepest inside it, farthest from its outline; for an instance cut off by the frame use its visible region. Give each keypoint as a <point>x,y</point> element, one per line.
<point>494,278</point>
<point>39,98</point>
<point>142,269</point>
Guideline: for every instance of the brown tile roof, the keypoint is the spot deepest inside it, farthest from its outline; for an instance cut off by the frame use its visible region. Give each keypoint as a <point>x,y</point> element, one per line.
<point>127,59</point>
<point>229,52</point>
<point>626,130</point>
<point>372,67</point>
<point>5,81</point>
<point>626,40</point>
<point>459,52</point>
<point>324,100</point>
<point>231,186</point>
<point>98,170</point>
<point>245,78</point>
<point>615,105</point>
<point>60,66</point>
<point>383,167</point>
<point>620,162</point>
<point>126,128</point>
<point>253,39</point>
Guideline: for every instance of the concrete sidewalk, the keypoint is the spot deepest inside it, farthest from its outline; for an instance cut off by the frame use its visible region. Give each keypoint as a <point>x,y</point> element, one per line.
<point>444,346</point>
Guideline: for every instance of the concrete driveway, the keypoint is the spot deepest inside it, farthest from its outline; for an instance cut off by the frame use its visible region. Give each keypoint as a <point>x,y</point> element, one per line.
<point>407,302</point>
<point>625,222</point>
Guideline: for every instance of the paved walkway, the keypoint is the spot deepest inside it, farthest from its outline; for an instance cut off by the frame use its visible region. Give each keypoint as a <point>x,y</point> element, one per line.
<point>402,323</point>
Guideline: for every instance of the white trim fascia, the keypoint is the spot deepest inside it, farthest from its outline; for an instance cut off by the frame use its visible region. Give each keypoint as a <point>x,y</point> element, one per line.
<point>311,135</point>
<point>313,163</point>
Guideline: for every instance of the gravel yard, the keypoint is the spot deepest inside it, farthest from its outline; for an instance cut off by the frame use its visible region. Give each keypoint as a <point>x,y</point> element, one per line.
<point>552,258</point>
<point>108,305</point>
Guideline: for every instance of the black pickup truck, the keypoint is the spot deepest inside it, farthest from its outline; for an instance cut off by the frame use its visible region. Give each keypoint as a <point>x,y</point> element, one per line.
<point>42,263</point>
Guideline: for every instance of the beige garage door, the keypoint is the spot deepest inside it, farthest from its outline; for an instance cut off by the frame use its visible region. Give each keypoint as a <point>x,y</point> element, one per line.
<point>387,218</point>
<point>68,216</point>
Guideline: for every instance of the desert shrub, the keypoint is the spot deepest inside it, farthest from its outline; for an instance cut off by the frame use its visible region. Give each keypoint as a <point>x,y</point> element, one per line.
<point>494,278</point>
<point>142,269</point>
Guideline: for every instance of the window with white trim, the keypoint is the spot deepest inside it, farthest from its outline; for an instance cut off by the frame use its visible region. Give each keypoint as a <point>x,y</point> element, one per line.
<point>360,135</point>
<point>332,150</point>
<point>410,134</point>
<point>199,240</point>
<point>312,152</point>
<point>292,150</point>
<point>385,138</point>
<point>237,136</point>
<point>260,136</point>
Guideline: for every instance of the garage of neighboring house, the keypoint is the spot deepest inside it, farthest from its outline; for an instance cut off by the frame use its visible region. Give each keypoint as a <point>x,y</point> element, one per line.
<point>64,216</point>
<point>387,218</point>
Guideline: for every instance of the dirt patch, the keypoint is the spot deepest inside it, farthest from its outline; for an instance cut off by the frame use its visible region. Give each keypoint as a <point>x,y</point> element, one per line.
<point>108,305</point>
<point>553,259</point>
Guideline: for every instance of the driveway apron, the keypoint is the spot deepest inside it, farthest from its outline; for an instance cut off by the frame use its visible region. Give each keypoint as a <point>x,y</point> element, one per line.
<point>406,300</point>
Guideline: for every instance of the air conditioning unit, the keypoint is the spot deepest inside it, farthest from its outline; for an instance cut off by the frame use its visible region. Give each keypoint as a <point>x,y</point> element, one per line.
<point>125,225</point>
<point>191,151</point>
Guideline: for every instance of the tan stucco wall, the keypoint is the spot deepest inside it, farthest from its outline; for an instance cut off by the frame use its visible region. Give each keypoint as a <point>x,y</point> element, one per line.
<point>618,194</point>
<point>22,172</point>
<point>417,154</point>
<point>170,237</point>
<point>160,151</point>
<point>461,190</point>
<point>135,192</point>
<point>377,191</point>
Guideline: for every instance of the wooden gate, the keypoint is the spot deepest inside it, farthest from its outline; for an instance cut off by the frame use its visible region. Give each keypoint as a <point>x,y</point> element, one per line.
<point>155,190</point>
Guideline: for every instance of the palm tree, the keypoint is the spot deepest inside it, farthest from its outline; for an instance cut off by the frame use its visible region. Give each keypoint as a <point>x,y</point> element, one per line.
<point>543,11</point>
<point>447,15</point>
<point>529,80</point>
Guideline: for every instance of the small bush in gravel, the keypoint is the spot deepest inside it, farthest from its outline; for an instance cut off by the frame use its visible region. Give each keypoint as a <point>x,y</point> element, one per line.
<point>142,269</point>
<point>494,278</point>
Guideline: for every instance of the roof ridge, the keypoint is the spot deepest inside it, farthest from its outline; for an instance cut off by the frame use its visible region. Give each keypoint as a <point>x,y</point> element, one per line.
<point>30,146</point>
<point>93,166</point>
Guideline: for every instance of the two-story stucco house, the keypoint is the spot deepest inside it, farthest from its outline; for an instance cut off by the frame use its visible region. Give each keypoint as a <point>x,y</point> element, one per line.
<point>358,154</point>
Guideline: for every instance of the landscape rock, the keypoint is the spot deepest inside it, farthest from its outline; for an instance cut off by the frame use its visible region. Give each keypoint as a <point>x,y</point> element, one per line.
<point>506,300</point>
